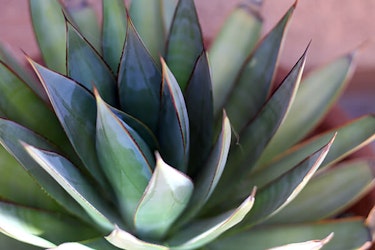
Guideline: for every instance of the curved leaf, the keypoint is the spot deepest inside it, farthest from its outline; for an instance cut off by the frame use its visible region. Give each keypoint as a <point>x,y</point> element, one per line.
<point>148,20</point>
<point>41,228</point>
<point>334,191</point>
<point>68,177</point>
<point>114,27</point>
<point>10,243</point>
<point>166,196</point>
<point>173,130</point>
<point>10,136</point>
<point>302,118</point>
<point>139,81</point>
<point>83,15</point>
<point>308,245</point>
<point>125,240</point>
<point>198,98</point>
<point>277,194</point>
<point>349,234</point>
<point>168,10</point>
<point>185,42</point>
<point>86,66</point>
<point>254,81</point>
<point>209,176</point>
<point>72,245</point>
<point>76,109</point>
<point>124,157</point>
<point>202,232</point>
<point>48,16</point>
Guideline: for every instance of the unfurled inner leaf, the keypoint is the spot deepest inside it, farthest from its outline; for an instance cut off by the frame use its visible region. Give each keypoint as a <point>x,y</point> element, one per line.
<point>76,109</point>
<point>253,85</point>
<point>124,240</point>
<point>124,157</point>
<point>185,42</point>
<point>230,49</point>
<point>114,27</point>
<point>67,175</point>
<point>87,67</point>
<point>166,196</point>
<point>48,16</point>
<point>199,233</point>
<point>198,98</point>
<point>139,81</point>
<point>173,130</point>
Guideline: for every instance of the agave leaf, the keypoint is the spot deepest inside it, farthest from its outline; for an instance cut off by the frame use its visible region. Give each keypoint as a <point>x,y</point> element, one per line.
<point>302,118</point>
<point>139,81</point>
<point>91,244</point>
<point>254,81</point>
<point>10,135</point>
<point>84,17</point>
<point>144,132</point>
<point>200,233</point>
<point>76,109</point>
<point>49,28</point>
<point>308,245</point>
<point>338,188</point>
<point>349,234</point>
<point>185,42</point>
<point>20,104</point>
<point>114,27</point>
<point>148,20</point>
<point>41,228</point>
<point>86,66</point>
<point>166,196</point>
<point>168,10</point>
<point>277,194</point>
<point>7,242</point>
<point>209,176</point>
<point>124,157</point>
<point>124,240</point>
<point>68,176</point>
<point>8,58</point>
<point>173,130</point>
<point>230,49</point>
<point>254,138</point>
<point>71,245</point>
<point>198,98</point>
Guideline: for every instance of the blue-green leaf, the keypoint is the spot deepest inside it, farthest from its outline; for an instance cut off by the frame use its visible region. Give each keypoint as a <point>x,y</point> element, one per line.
<point>173,130</point>
<point>253,85</point>
<point>198,98</point>
<point>124,157</point>
<point>139,81</point>
<point>68,177</point>
<point>114,27</point>
<point>230,49</point>
<point>147,17</point>
<point>49,27</point>
<point>86,66</point>
<point>185,42</point>
<point>199,233</point>
<point>321,88</point>
<point>166,196</point>
<point>41,228</point>
<point>168,9</point>
<point>76,109</point>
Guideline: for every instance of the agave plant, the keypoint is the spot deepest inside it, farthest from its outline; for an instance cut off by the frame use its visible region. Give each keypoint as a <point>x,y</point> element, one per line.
<point>125,140</point>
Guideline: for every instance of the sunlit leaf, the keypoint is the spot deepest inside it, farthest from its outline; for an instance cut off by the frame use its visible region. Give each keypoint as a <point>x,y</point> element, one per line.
<point>124,157</point>
<point>308,245</point>
<point>166,196</point>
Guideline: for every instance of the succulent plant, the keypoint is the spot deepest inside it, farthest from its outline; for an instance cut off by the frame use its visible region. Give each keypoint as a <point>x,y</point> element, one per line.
<point>124,138</point>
